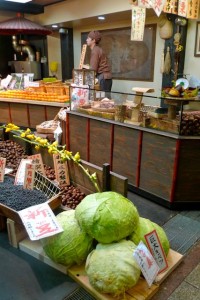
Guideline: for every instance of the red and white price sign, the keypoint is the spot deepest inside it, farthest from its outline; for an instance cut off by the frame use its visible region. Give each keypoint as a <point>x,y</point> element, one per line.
<point>156,250</point>
<point>39,221</point>
<point>2,168</point>
<point>29,176</point>
<point>146,263</point>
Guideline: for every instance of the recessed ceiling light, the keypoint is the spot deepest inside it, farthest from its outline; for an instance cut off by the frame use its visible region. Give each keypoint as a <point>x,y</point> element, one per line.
<point>54,26</point>
<point>101,18</point>
<point>19,1</point>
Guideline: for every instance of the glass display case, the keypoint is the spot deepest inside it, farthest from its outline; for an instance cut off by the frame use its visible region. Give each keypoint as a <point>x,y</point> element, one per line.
<point>176,115</point>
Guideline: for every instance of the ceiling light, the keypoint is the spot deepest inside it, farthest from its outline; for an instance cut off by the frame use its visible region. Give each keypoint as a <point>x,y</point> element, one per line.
<point>54,26</point>
<point>101,18</point>
<point>19,1</point>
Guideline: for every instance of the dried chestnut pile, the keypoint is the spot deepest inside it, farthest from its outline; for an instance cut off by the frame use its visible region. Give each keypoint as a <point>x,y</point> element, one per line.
<point>190,124</point>
<point>13,153</point>
<point>71,196</point>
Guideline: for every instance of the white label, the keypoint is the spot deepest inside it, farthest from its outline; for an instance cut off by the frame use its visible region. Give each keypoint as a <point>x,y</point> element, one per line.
<point>20,175</point>
<point>156,249</point>
<point>146,263</point>
<point>39,221</point>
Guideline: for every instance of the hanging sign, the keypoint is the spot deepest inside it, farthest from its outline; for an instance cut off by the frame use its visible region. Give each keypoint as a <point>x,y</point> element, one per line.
<point>182,8</point>
<point>171,7</point>
<point>193,9</point>
<point>82,59</point>
<point>138,23</point>
<point>2,168</point>
<point>144,3</point>
<point>157,6</point>
<point>39,221</point>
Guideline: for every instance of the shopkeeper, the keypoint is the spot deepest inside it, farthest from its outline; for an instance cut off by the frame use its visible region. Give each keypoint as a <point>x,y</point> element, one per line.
<point>99,62</point>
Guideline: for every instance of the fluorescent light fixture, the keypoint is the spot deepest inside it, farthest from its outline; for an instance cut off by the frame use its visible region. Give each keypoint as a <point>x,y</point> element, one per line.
<point>101,18</point>
<point>19,1</point>
<point>54,26</point>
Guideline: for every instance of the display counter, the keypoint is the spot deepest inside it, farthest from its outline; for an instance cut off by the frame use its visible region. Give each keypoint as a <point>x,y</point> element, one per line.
<point>159,165</point>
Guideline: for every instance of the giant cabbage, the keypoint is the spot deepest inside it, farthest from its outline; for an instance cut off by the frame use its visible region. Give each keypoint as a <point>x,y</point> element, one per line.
<point>146,226</point>
<point>70,246</point>
<point>111,268</point>
<point>108,217</point>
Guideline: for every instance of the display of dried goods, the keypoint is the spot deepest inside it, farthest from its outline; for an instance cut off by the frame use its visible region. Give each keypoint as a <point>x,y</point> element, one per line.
<point>190,124</point>
<point>18,198</point>
<point>71,196</point>
<point>13,153</point>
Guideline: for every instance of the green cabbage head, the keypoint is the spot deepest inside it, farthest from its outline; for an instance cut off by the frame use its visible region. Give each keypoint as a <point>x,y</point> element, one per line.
<point>112,269</point>
<point>108,217</point>
<point>145,226</point>
<point>71,246</point>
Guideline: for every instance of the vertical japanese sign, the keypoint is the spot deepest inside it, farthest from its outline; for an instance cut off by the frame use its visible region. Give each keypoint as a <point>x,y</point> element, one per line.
<point>82,59</point>
<point>171,6</point>
<point>138,23</point>
<point>2,168</point>
<point>193,9</point>
<point>61,170</point>
<point>146,263</point>
<point>156,250</point>
<point>158,6</point>
<point>39,221</point>
<point>37,160</point>
<point>29,176</point>
<point>182,8</point>
<point>20,175</point>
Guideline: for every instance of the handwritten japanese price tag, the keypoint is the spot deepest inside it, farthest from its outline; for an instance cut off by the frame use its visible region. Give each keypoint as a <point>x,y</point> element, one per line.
<point>2,168</point>
<point>37,160</point>
<point>61,170</point>
<point>138,23</point>
<point>156,250</point>
<point>29,176</point>
<point>146,263</point>
<point>20,175</point>
<point>39,221</point>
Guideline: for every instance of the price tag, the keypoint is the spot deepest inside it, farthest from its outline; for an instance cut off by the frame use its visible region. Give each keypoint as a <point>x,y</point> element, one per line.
<point>156,250</point>
<point>29,176</point>
<point>39,221</point>
<point>37,160</point>
<point>2,168</point>
<point>61,170</point>
<point>20,175</point>
<point>146,263</point>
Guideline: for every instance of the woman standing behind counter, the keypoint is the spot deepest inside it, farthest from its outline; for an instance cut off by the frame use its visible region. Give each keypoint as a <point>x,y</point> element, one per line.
<point>99,62</point>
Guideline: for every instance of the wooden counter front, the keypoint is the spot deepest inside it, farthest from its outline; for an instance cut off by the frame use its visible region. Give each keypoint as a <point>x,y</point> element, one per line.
<point>161,166</point>
<point>27,113</point>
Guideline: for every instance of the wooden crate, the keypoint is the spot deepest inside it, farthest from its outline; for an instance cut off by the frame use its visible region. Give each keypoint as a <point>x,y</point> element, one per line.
<point>141,291</point>
<point>16,232</point>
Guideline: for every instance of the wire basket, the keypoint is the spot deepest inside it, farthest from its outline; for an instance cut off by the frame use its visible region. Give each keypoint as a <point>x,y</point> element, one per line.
<point>45,185</point>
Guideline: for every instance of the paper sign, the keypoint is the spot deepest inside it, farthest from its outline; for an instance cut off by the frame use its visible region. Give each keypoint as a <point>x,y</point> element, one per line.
<point>20,175</point>
<point>156,250</point>
<point>79,95</point>
<point>29,176</point>
<point>37,160</point>
<point>39,221</point>
<point>146,263</point>
<point>2,168</point>
<point>82,59</point>
<point>61,170</point>
<point>138,23</point>
<point>182,8</point>
<point>157,6</point>
<point>193,9</point>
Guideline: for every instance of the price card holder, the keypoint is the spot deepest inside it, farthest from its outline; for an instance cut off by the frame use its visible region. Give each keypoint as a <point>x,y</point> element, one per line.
<point>156,250</point>
<point>146,263</point>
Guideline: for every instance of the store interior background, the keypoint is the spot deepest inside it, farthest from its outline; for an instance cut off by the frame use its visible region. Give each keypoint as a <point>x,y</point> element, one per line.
<point>82,17</point>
